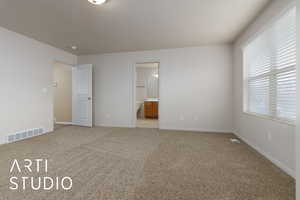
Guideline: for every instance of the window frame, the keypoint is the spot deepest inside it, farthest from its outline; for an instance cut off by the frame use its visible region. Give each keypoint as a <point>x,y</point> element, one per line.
<point>273,72</point>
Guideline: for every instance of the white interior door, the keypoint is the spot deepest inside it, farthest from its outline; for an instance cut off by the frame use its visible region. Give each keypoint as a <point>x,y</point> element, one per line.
<point>82,86</point>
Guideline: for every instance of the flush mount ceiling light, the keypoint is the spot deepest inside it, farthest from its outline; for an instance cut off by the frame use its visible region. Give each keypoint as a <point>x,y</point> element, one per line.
<point>74,47</point>
<point>97,2</point>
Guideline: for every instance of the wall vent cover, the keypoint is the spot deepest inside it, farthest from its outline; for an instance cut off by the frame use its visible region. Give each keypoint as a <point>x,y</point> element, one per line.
<point>25,134</point>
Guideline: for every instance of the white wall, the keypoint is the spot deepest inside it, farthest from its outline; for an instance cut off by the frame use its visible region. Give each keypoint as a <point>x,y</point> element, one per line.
<point>195,86</point>
<point>26,69</point>
<point>297,143</point>
<point>281,148</point>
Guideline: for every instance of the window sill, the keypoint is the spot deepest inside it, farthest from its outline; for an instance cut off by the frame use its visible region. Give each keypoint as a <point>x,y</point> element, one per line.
<point>282,121</point>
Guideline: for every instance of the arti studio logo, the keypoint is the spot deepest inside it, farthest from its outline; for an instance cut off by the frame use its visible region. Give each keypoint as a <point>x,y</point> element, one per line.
<point>35,167</point>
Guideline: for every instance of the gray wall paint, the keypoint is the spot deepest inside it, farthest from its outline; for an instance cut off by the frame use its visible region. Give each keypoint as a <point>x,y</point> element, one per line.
<point>26,83</point>
<point>195,87</point>
<point>254,130</point>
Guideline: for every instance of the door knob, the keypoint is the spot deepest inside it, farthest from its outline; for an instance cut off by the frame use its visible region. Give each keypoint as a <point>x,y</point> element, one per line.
<point>89,98</point>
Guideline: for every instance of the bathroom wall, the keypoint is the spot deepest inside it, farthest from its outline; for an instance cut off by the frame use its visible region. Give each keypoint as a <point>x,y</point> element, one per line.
<point>147,84</point>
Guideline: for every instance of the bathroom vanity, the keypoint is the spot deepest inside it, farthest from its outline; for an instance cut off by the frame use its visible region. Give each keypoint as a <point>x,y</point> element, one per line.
<point>151,108</point>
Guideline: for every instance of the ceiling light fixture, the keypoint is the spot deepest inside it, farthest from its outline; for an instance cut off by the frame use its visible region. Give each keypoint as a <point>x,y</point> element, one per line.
<point>97,2</point>
<point>155,75</point>
<point>74,47</point>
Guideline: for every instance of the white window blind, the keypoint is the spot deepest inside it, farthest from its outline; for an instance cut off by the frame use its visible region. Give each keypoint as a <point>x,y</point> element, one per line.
<point>270,70</point>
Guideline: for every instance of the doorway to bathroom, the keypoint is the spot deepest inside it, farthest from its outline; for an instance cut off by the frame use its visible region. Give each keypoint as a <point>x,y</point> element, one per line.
<point>147,95</point>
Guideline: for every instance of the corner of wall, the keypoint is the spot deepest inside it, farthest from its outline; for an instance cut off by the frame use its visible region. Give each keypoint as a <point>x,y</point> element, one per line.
<point>278,163</point>
<point>239,121</point>
<point>298,108</point>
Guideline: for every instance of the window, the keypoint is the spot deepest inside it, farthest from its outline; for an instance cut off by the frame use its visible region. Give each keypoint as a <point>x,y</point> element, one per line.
<point>270,70</point>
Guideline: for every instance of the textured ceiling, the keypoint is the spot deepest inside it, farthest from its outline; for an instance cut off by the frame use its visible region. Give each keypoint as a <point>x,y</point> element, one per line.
<point>129,25</point>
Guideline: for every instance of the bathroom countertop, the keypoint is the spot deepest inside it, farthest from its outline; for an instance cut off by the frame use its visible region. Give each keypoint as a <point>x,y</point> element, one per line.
<point>152,99</point>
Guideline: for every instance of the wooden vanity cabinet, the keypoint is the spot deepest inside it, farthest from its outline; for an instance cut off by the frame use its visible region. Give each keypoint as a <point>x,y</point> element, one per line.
<point>151,109</point>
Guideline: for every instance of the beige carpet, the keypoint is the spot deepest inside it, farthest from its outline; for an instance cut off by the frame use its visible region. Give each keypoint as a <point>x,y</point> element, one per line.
<point>146,164</point>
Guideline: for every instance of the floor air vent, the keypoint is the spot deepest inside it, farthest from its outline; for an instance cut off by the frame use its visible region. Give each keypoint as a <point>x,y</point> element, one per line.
<point>25,134</point>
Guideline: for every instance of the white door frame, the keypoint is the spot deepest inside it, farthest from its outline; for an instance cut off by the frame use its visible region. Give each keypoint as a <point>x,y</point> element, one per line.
<point>134,118</point>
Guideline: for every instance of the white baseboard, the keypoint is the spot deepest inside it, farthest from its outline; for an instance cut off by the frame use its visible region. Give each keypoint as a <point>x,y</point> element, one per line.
<point>3,140</point>
<point>115,125</point>
<point>196,130</point>
<point>170,128</point>
<point>278,163</point>
<point>64,123</point>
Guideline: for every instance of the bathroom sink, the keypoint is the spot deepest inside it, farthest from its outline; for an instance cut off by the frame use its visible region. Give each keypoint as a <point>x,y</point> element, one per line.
<point>152,99</point>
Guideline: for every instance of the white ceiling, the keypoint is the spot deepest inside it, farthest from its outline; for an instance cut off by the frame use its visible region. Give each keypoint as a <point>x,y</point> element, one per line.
<point>129,25</point>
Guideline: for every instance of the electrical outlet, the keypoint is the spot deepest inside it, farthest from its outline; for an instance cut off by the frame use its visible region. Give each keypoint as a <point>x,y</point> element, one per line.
<point>196,118</point>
